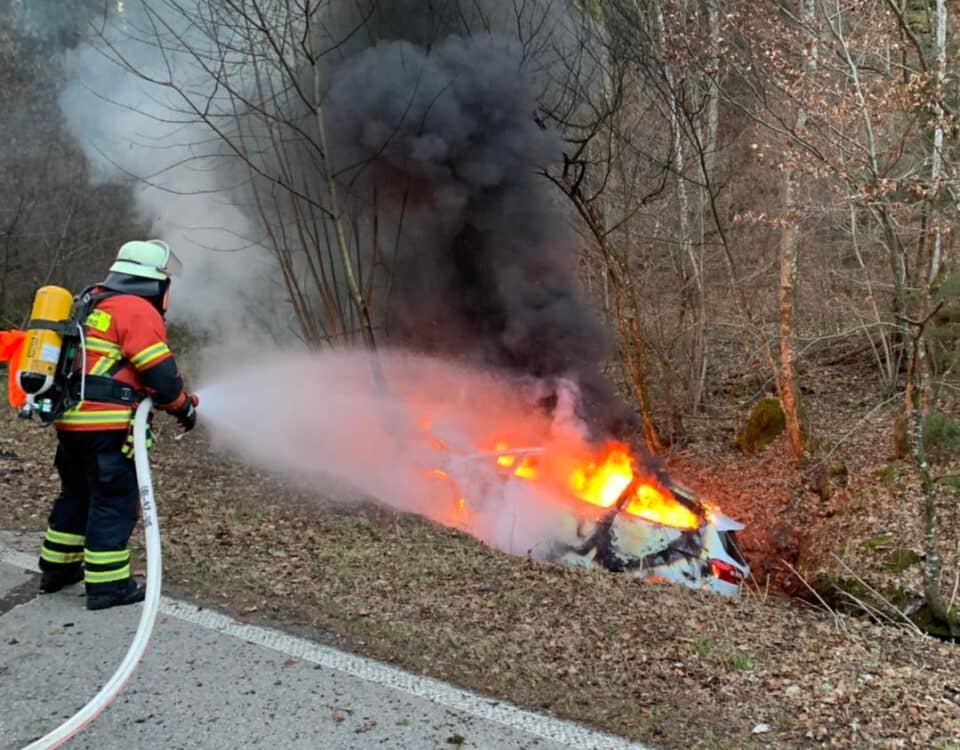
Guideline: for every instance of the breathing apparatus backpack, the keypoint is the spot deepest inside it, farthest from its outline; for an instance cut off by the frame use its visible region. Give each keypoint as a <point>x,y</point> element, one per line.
<point>55,344</point>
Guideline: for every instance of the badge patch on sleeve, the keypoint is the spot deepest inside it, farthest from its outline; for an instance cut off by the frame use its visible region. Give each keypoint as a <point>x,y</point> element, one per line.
<point>99,320</point>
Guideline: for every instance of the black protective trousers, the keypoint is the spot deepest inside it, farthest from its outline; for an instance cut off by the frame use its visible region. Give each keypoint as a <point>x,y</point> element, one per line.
<point>94,514</point>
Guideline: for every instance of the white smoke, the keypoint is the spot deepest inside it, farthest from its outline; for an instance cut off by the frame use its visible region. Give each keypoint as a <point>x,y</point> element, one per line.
<point>419,444</point>
<point>134,128</point>
<point>137,87</point>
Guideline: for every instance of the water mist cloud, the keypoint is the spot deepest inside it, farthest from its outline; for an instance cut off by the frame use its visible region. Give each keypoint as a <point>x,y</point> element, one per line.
<point>418,446</point>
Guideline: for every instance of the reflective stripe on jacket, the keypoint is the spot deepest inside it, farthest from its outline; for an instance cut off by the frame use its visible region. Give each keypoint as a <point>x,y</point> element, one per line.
<point>125,337</point>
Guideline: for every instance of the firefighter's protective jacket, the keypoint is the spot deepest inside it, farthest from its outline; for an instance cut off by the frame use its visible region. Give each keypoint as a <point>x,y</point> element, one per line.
<point>126,339</point>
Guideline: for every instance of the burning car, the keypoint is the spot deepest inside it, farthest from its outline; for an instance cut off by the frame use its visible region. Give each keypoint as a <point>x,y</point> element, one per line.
<point>508,461</point>
<point>698,550</point>
<point>617,517</point>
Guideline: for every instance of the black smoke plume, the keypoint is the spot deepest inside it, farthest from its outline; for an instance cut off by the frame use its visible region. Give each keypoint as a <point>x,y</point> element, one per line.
<point>443,138</point>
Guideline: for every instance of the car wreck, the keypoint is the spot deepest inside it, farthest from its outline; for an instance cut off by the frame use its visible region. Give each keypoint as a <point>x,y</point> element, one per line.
<point>614,515</point>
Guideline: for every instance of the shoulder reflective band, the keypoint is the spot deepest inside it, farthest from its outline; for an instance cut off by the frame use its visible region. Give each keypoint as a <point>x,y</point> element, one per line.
<point>110,360</point>
<point>145,357</point>
<point>101,346</point>
<point>105,365</point>
<point>99,320</point>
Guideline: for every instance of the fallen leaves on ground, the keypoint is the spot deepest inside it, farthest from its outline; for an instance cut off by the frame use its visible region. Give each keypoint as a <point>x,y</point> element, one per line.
<point>673,667</point>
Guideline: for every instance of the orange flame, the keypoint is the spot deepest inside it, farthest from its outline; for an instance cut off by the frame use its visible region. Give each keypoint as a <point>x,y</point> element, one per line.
<point>650,503</point>
<point>507,460</point>
<point>528,468</point>
<point>603,482</point>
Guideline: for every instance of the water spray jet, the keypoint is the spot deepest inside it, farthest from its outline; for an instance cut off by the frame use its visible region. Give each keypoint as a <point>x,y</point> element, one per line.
<point>473,449</point>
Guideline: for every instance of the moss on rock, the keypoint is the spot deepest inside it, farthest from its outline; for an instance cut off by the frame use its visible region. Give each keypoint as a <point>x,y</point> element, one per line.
<point>854,597</point>
<point>766,422</point>
<point>900,559</point>
<point>878,542</point>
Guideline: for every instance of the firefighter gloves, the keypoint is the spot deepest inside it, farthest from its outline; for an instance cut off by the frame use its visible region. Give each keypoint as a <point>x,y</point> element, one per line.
<point>186,415</point>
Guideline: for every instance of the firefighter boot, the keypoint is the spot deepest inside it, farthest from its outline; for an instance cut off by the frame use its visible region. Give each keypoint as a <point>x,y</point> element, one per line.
<point>56,579</point>
<point>129,593</point>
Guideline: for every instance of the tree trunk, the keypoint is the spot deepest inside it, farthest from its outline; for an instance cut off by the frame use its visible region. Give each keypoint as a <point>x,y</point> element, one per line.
<point>918,391</point>
<point>692,283</point>
<point>937,156</point>
<point>633,342</point>
<point>353,288</point>
<point>789,259</point>
<point>635,358</point>
<point>708,144</point>
<point>787,386</point>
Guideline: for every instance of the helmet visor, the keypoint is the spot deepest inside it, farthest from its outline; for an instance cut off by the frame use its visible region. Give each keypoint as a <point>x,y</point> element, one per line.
<point>171,265</point>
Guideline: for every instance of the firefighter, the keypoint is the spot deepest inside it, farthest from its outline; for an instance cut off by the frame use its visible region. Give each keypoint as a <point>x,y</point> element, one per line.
<point>127,358</point>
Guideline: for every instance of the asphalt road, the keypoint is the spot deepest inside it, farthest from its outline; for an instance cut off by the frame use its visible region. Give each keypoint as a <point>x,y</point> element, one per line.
<point>208,681</point>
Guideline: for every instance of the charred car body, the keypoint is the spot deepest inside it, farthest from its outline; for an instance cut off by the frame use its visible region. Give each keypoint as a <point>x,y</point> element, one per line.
<point>647,528</point>
<point>704,556</point>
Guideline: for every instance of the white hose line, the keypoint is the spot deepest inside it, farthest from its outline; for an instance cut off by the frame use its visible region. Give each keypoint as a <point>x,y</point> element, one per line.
<point>151,526</point>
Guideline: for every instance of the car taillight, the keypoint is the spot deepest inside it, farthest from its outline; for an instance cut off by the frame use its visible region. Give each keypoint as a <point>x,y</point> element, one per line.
<point>726,572</point>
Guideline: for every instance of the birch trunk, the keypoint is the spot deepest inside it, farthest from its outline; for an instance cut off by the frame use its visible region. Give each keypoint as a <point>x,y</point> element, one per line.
<point>336,217</point>
<point>919,407</point>
<point>708,165</point>
<point>687,255</point>
<point>936,170</point>
<point>919,391</point>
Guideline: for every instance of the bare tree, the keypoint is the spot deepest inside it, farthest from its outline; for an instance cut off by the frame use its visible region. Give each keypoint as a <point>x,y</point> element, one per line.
<point>919,392</point>
<point>54,226</point>
<point>789,252</point>
<point>251,73</point>
<point>869,128</point>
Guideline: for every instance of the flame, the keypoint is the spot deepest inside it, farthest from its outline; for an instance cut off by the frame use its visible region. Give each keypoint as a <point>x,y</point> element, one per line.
<point>604,480</point>
<point>528,468</point>
<point>650,503</point>
<point>507,460</point>
<point>603,484</point>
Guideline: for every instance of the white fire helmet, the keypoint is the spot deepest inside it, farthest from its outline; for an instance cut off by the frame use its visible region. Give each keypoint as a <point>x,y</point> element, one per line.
<point>150,259</point>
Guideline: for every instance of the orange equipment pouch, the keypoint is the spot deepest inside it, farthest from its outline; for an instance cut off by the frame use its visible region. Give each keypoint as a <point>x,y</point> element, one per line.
<point>11,346</point>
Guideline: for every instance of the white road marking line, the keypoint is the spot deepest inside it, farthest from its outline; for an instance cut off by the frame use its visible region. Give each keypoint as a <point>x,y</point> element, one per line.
<point>19,559</point>
<point>500,712</point>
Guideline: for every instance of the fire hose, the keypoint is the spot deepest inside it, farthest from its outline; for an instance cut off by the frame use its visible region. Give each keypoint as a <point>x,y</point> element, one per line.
<point>151,527</point>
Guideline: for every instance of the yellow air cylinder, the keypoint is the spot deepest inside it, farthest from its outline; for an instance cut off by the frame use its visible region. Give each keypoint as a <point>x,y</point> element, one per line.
<point>41,348</point>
